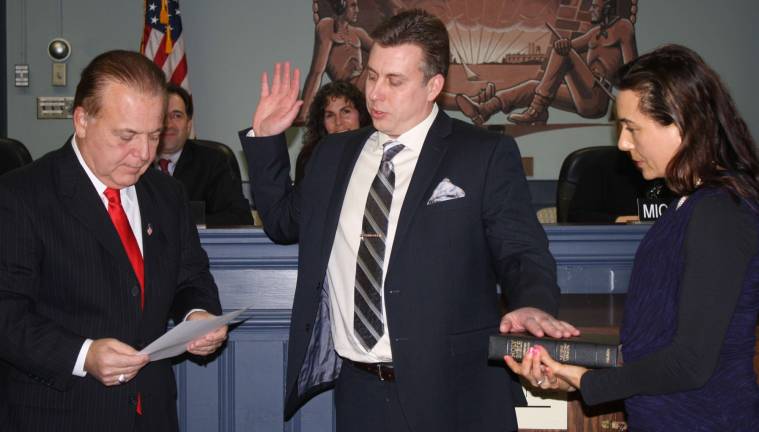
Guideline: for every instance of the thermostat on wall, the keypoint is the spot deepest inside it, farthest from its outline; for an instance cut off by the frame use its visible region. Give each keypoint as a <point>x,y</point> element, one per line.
<point>54,107</point>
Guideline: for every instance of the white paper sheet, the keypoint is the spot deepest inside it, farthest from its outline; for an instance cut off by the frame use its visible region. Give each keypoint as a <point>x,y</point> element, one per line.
<point>174,342</point>
<point>545,409</point>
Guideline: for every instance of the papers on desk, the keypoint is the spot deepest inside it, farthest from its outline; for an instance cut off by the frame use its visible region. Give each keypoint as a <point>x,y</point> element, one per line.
<point>174,342</point>
<point>545,409</point>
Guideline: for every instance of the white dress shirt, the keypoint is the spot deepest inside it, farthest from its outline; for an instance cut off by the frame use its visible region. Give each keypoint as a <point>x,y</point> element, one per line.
<point>341,270</point>
<point>132,210</point>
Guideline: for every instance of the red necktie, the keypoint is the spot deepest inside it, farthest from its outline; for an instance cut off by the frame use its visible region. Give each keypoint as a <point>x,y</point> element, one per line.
<point>120,221</point>
<point>164,164</point>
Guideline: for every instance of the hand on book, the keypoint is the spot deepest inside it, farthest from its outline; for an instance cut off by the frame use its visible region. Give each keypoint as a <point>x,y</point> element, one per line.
<point>537,322</point>
<point>544,372</point>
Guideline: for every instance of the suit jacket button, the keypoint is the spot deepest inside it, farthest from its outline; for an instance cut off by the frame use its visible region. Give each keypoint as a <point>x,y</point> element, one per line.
<point>135,291</point>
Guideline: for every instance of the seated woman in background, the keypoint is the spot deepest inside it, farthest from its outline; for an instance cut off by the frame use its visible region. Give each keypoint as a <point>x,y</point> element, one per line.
<point>338,106</point>
<point>688,333</point>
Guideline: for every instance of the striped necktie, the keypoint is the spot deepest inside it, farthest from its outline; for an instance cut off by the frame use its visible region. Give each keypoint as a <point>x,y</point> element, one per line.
<point>368,321</point>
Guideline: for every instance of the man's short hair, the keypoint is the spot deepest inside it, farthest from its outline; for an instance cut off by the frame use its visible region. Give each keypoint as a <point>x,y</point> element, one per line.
<point>421,28</point>
<point>186,97</point>
<point>129,68</point>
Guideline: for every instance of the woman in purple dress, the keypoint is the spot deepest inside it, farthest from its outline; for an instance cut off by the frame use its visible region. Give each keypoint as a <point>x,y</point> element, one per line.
<point>688,333</point>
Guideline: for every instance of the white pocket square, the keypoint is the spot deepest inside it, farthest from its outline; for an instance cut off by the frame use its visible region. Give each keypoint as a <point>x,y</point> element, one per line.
<point>445,191</point>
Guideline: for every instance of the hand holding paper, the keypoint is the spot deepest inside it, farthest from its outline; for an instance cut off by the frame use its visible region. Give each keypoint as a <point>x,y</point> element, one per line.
<point>209,342</point>
<point>108,360</point>
<point>197,333</point>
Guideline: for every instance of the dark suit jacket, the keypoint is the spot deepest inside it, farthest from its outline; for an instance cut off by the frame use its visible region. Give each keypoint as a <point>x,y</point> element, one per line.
<point>440,288</point>
<point>206,176</point>
<point>64,277</point>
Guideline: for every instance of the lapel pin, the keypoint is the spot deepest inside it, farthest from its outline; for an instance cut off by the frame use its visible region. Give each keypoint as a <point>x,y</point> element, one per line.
<point>150,230</point>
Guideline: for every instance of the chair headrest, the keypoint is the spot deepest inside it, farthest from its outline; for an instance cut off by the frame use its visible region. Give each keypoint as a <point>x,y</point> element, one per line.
<point>227,151</point>
<point>13,154</point>
<point>580,160</point>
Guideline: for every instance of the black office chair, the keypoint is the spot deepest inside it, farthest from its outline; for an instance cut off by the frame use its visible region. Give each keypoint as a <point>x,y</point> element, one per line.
<point>574,165</point>
<point>13,154</point>
<point>234,166</point>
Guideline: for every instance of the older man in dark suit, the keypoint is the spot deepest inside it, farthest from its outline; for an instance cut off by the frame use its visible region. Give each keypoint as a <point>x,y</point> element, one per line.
<point>404,229</point>
<point>97,253</point>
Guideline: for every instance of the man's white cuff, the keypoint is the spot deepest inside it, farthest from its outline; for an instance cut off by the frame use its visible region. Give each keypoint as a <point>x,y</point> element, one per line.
<point>191,311</point>
<point>79,365</point>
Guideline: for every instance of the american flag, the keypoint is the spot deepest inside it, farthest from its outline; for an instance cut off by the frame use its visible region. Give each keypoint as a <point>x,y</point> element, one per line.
<point>162,40</point>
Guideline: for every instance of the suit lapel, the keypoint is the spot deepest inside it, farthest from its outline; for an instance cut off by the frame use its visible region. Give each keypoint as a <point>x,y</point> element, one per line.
<point>185,159</point>
<point>153,238</point>
<point>81,199</point>
<point>348,158</point>
<point>434,148</point>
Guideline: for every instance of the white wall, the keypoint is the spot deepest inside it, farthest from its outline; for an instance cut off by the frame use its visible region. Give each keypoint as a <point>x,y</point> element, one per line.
<point>230,42</point>
<point>91,28</point>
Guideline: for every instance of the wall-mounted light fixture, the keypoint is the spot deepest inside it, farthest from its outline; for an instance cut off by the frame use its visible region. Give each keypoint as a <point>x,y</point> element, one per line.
<point>59,50</point>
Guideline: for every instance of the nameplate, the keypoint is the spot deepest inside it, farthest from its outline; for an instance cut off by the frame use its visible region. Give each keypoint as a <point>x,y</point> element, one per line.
<point>650,210</point>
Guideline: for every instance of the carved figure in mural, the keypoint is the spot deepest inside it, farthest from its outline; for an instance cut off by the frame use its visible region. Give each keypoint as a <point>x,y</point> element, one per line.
<point>572,81</point>
<point>338,46</point>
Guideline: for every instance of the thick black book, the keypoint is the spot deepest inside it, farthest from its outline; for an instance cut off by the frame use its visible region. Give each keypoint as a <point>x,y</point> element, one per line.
<point>588,350</point>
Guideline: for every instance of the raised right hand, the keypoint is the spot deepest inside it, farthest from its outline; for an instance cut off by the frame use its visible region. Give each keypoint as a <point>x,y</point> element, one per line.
<point>279,104</point>
<point>108,358</point>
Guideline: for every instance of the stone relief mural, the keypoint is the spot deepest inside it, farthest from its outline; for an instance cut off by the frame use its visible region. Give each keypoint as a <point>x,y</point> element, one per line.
<point>518,57</point>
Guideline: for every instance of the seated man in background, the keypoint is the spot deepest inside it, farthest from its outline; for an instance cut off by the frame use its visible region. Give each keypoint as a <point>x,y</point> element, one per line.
<point>202,170</point>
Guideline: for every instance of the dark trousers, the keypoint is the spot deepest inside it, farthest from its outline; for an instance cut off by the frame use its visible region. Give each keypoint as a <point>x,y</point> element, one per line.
<point>365,403</point>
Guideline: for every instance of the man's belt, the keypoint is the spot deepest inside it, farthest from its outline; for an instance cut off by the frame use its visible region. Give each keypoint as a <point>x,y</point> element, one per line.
<point>383,371</point>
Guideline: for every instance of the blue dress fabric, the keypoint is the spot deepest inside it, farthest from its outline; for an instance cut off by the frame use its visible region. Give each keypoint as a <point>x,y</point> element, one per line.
<point>730,399</point>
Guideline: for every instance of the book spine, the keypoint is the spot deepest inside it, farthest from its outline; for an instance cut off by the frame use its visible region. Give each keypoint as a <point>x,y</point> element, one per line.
<point>577,353</point>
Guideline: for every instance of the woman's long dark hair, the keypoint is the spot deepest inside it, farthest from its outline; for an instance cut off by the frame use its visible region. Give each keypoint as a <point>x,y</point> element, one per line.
<point>315,129</point>
<point>675,85</point>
